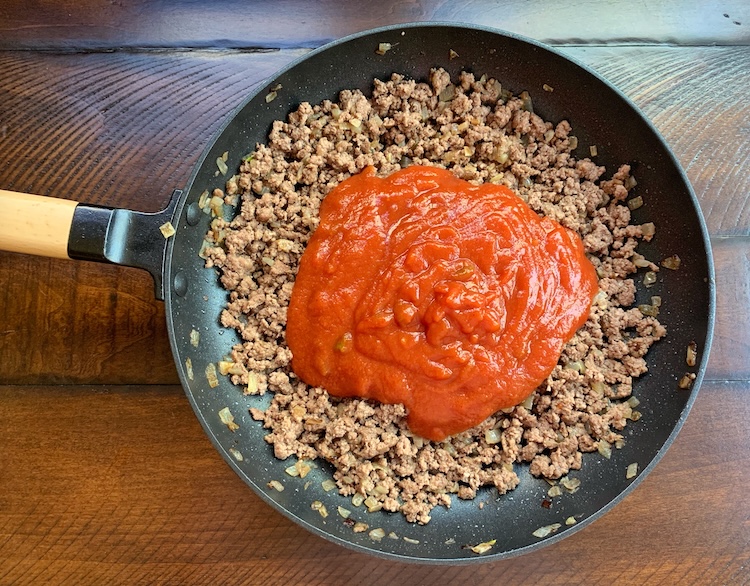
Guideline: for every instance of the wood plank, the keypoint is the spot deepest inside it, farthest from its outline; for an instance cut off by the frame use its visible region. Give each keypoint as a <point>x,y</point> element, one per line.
<point>87,126</point>
<point>120,485</point>
<point>696,99</point>
<point>103,25</point>
<point>131,110</point>
<point>78,126</point>
<point>730,354</point>
<point>65,322</point>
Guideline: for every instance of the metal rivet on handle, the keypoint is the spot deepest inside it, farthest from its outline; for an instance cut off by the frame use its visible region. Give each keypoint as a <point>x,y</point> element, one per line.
<point>180,284</point>
<point>193,214</point>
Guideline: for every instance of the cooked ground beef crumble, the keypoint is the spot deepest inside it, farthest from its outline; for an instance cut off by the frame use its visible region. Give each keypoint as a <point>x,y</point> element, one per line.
<point>481,133</point>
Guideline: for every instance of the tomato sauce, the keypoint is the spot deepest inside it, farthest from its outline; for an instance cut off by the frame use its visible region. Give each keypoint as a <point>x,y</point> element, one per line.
<point>453,299</point>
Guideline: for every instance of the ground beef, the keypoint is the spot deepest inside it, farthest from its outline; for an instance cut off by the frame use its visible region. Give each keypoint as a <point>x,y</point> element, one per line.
<point>481,133</point>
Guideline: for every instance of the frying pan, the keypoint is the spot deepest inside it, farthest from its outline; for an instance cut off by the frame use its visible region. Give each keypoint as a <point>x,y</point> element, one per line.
<point>599,114</point>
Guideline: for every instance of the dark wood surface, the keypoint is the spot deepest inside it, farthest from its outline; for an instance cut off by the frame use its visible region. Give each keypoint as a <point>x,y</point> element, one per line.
<point>105,473</point>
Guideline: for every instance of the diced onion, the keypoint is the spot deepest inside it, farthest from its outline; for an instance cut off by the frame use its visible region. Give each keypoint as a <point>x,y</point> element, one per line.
<point>576,365</point>
<point>604,448</point>
<point>640,261</point>
<point>546,530</point>
<point>648,229</point>
<point>252,384</point>
<point>483,547</point>
<point>692,354</point>
<point>285,245</point>
<point>320,507</point>
<point>448,93</point>
<point>633,402</point>
<point>526,103</point>
<point>377,534</point>
<point>216,205</point>
<point>492,436</point>
<point>598,387</point>
<point>303,468</point>
<point>671,262</point>
<point>383,48</point>
<point>649,310</point>
<point>203,201</point>
<point>635,203</point>
<point>649,278</point>
<point>228,419</point>
<point>298,412</point>
<point>276,485</point>
<point>222,165</point>
<point>570,484</point>
<point>380,490</point>
<point>203,252</point>
<point>213,380</point>
<point>167,229</point>
<point>632,470</point>
<point>687,380</point>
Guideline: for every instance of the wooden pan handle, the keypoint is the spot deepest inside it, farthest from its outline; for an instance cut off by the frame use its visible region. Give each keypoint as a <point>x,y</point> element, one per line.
<point>33,224</point>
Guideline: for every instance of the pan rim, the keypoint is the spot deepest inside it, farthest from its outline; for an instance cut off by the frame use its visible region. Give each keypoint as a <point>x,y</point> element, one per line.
<point>700,372</point>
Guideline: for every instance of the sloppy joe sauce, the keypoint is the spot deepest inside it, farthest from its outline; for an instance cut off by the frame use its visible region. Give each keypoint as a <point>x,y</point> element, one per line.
<point>453,299</point>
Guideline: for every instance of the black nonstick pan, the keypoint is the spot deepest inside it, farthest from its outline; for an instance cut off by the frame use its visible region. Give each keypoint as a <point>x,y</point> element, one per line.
<point>599,115</point>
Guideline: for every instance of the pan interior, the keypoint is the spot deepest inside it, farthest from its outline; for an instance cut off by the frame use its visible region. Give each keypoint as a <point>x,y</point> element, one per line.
<point>599,115</point>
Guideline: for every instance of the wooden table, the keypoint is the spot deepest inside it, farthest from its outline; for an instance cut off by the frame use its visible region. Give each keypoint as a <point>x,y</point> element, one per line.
<point>106,476</point>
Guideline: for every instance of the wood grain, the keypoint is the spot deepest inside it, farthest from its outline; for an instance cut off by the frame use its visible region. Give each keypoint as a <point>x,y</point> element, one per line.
<point>103,118</point>
<point>695,98</point>
<point>109,478</point>
<point>120,485</point>
<point>730,355</point>
<point>106,24</point>
<point>65,321</point>
<point>117,129</point>
<point>114,113</point>
<point>33,224</point>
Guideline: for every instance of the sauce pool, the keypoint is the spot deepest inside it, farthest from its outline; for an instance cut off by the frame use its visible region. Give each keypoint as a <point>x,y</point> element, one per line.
<point>420,288</point>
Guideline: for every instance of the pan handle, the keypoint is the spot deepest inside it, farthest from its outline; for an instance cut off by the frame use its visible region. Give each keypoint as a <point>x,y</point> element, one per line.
<point>60,228</point>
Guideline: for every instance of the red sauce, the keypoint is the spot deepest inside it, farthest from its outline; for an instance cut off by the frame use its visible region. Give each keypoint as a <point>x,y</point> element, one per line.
<point>422,289</point>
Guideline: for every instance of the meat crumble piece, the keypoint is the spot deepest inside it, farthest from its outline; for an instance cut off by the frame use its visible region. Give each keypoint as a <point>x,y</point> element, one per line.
<point>481,133</point>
